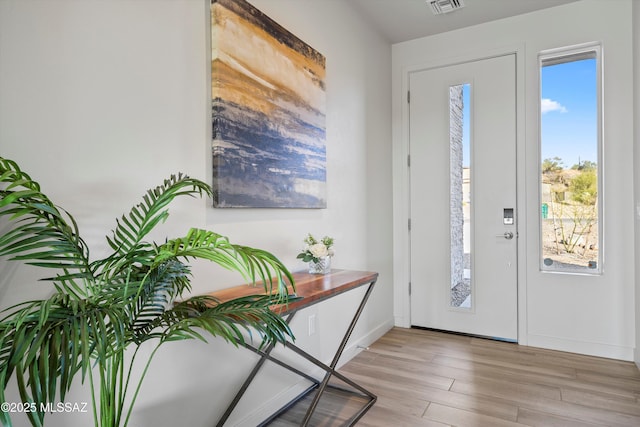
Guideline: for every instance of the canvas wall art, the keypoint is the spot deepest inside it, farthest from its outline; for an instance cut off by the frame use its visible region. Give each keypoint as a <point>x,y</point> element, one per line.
<point>268,112</point>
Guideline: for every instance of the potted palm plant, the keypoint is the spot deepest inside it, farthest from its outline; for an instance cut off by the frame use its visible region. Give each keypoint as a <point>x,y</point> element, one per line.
<point>101,311</point>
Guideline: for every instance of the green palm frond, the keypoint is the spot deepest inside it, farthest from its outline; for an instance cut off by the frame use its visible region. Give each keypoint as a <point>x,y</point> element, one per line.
<point>45,235</point>
<point>230,320</point>
<point>127,238</point>
<point>46,343</point>
<point>254,264</point>
<point>100,308</point>
<point>155,295</point>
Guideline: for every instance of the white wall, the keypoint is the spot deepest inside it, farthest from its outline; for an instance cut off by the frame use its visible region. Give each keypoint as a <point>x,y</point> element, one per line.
<point>636,162</point>
<point>585,314</point>
<point>101,100</point>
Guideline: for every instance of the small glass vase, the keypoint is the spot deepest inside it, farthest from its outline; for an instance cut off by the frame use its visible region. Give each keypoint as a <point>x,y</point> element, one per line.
<point>323,266</point>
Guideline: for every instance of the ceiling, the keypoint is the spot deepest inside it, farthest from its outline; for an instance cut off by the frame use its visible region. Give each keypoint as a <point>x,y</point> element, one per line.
<point>402,20</point>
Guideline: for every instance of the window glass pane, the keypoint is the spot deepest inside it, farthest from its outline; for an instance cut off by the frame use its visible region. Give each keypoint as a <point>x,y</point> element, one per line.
<point>460,200</point>
<point>570,164</point>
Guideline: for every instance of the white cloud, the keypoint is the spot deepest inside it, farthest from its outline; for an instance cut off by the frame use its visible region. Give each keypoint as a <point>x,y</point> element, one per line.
<point>548,105</point>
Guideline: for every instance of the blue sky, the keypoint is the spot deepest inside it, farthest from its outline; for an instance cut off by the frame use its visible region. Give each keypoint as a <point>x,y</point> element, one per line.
<point>569,112</point>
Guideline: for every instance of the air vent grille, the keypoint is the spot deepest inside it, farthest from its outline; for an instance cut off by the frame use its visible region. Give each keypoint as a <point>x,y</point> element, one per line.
<point>438,7</point>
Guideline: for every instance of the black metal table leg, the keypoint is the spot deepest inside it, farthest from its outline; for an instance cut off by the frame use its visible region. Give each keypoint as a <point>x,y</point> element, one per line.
<point>264,356</point>
<point>336,357</point>
<point>317,386</point>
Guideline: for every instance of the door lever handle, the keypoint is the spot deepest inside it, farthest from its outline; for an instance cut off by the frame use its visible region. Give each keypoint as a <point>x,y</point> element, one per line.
<point>507,235</point>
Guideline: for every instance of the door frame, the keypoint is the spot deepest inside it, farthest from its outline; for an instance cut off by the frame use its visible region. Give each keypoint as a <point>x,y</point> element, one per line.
<point>401,194</point>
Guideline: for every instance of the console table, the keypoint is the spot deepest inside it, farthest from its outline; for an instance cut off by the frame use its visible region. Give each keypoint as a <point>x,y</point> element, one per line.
<point>312,289</point>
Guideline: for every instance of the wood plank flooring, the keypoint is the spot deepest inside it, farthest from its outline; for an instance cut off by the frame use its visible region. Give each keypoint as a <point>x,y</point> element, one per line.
<point>427,378</point>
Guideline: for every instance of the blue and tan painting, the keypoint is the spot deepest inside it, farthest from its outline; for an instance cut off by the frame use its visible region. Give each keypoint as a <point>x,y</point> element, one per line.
<point>268,112</point>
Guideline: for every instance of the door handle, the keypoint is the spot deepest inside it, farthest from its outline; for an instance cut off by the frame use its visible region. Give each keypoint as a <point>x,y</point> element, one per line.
<point>507,235</point>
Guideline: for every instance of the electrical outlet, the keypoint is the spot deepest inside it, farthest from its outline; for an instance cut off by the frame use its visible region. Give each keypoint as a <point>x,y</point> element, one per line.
<point>312,324</point>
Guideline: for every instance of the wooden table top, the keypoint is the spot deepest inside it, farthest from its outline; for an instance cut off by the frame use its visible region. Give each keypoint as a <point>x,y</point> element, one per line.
<point>312,288</point>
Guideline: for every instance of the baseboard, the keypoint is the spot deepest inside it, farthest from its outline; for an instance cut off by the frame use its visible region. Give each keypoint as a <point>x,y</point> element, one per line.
<point>581,347</point>
<point>356,346</point>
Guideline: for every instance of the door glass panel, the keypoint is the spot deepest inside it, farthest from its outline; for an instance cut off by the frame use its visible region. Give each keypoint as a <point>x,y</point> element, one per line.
<point>460,195</point>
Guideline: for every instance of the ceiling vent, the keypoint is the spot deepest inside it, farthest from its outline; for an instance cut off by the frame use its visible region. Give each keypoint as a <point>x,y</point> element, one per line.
<point>438,7</point>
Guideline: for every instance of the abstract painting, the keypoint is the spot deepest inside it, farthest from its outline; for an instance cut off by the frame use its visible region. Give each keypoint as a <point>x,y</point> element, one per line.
<point>268,112</point>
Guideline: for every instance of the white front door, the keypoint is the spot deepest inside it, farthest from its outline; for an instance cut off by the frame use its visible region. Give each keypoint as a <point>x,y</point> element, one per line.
<point>463,225</point>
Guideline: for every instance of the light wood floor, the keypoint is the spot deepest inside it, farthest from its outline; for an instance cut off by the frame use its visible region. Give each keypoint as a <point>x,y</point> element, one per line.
<point>426,378</point>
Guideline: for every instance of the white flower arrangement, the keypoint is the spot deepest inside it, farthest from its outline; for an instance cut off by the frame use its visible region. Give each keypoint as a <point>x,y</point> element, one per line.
<point>316,249</point>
